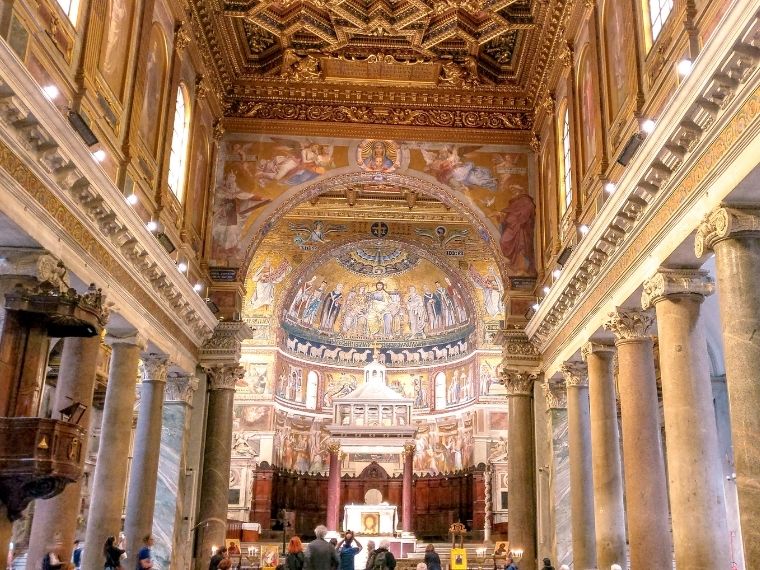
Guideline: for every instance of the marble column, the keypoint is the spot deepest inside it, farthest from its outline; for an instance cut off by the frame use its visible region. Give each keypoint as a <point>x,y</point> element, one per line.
<point>333,486</point>
<point>406,489</point>
<point>697,502</point>
<point>212,514</point>
<point>55,519</point>
<point>110,479</point>
<point>521,474</point>
<point>143,474</point>
<point>609,520</point>
<point>734,235</point>
<point>581,475</point>
<point>645,482</point>
<point>559,474</point>
<point>172,545</point>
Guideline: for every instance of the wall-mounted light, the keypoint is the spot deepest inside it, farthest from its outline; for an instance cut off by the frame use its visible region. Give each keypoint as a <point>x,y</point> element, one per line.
<point>556,273</point>
<point>51,91</point>
<point>535,306</point>
<point>546,289</point>
<point>584,229</point>
<point>99,155</point>
<point>132,198</point>
<point>182,266</point>
<point>198,287</point>
<point>152,226</point>
<point>610,187</point>
<point>684,67</point>
<point>647,126</point>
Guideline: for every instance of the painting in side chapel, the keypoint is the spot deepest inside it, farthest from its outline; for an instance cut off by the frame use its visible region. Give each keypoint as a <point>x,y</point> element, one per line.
<point>256,173</point>
<point>444,447</point>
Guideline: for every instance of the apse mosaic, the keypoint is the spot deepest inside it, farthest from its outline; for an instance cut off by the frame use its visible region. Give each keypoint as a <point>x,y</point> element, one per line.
<point>255,174</point>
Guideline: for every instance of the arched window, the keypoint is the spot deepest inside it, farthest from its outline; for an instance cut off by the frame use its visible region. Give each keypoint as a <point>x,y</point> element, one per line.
<point>659,10</point>
<point>566,180</point>
<point>178,154</point>
<point>70,8</point>
<point>312,385</point>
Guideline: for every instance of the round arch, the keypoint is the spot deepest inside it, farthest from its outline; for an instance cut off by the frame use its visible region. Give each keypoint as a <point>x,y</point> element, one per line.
<point>349,177</point>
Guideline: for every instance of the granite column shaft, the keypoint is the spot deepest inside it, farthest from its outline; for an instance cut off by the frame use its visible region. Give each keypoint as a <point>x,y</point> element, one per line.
<point>645,481</point>
<point>333,487</point>
<point>559,474</point>
<point>734,235</point>
<point>697,502</point>
<point>609,511</point>
<point>110,477</point>
<point>581,476</point>
<point>143,474</point>
<point>55,519</point>
<point>406,489</point>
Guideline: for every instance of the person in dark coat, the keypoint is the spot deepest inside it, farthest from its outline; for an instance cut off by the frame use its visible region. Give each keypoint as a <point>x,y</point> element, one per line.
<point>547,564</point>
<point>432,560</point>
<point>112,553</point>
<point>295,557</point>
<point>384,559</point>
<point>220,555</point>
<point>320,554</point>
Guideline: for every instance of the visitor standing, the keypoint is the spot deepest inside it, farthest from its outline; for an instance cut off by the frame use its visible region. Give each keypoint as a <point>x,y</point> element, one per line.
<point>547,564</point>
<point>384,559</point>
<point>76,555</point>
<point>510,564</point>
<point>145,557</point>
<point>112,554</point>
<point>432,560</point>
<point>52,560</point>
<point>348,548</point>
<point>220,555</point>
<point>295,557</point>
<point>370,555</point>
<point>320,554</point>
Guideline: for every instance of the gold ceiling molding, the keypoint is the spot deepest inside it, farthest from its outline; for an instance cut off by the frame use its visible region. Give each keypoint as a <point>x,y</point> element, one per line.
<point>458,119</point>
<point>453,56</point>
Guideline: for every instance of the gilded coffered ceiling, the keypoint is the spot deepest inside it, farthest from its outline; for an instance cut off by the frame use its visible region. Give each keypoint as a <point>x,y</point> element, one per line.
<point>440,63</point>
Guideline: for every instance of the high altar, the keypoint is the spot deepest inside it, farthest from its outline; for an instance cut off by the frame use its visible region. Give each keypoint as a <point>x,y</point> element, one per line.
<point>370,520</point>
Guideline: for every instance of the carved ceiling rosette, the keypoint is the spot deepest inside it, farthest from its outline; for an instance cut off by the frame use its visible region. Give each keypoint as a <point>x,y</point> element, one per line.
<point>575,374</point>
<point>630,324</point>
<point>725,223</point>
<point>675,283</point>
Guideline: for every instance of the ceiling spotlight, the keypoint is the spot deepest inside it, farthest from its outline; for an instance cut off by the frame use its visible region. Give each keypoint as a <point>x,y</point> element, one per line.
<point>610,187</point>
<point>51,91</point>
<point>684,67</point>
<point>152,226</point>
<point>182,266</point>
<point>132,199</point>
<point>546,290</point>
<point>648,126</point>
<point>99,155</point>
<point>584,229</point>
<point>198,287</point>
<point>556,273</point>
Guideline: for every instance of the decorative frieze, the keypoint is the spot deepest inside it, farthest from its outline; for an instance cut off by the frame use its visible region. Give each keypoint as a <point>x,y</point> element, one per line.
<point>575,374</point>
<point>725,223</point>
<point>630,324</point>
<point>676,282</point>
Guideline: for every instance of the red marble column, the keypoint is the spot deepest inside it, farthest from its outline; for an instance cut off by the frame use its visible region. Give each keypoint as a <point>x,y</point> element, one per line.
<point>333,488</point>
<point>406,490</point>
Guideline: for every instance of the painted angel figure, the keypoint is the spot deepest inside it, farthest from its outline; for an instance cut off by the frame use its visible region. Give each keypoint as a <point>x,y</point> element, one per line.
<point>265,278</point>
<point>296,162</point>
<point>493,290</point>
<point>448,167</point>
<point>317,233</point>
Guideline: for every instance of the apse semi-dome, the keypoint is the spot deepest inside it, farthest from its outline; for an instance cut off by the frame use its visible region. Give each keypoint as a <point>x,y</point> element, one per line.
<point>377,295</point>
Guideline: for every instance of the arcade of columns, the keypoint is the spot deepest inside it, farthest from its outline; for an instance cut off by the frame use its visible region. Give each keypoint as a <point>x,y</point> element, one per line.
<point>692,483</point>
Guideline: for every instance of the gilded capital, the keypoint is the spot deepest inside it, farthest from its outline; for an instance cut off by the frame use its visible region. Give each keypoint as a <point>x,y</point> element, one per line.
<point>596,348</point>
<point>726,223</point>
<point>519,382</point>
<point>155,367</point>
<point>333,446</point>
<point>224,376</point>
<point>575,374</point>
<point>180,389</point>
<point>409,448</point>
<point>676,282</point>
<point>629,324</point>
<point>556,395</point>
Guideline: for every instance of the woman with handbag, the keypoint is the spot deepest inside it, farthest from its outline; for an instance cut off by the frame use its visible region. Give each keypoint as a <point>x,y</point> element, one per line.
<point>112,553</point>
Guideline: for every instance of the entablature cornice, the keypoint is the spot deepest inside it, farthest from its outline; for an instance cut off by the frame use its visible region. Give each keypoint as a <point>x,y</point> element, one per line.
<point>724,78</point>
<point>35,131</point>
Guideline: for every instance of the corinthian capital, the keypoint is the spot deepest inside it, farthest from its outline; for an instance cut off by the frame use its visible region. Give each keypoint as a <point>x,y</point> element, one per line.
<point>556,395</point>
<point>154,368</point>
<point>629,324</point>
<point>676,282</point>
<point>224,377</point>
<point>519,382</point>
<point>725,223</point>
<point>575,373</point>
<point>180,389</point>
<point>596,348</point>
